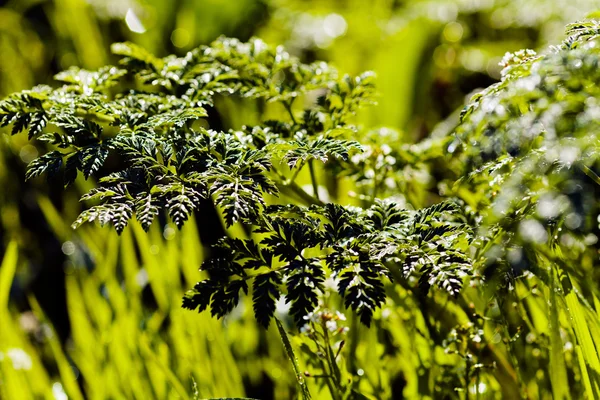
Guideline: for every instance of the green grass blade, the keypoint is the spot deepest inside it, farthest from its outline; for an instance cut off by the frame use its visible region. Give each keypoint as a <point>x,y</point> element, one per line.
<point>7,272</point>
<point>149,354</point>
<point>156,274</point>
<point>584,339</point>
<point>585,377</point>
<point>69,379</point>
<point>558,371</point>
<point>290,353</point>
<point>57,222</point>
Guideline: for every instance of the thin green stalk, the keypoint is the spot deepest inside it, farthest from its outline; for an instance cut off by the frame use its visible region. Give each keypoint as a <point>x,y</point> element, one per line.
<point>509,343</point>
<point>293,188</point>
<point>477,382</point>
<point>328,381</point>
<point>504,370</point>
<point>289,187</point>
<point>313,179</point>
<point>590,173</point>
<point>288,107</point>
<point>335,371</point>
<point>333,381</point>
<point>558,371</point>
<point>467,376</point>
<point>293,360</point>
<point>353,339</point>
<point>102,118</point>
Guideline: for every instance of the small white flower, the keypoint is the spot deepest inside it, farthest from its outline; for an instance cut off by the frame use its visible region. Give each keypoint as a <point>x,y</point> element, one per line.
<point>312,317</point>
<point>331,325</point>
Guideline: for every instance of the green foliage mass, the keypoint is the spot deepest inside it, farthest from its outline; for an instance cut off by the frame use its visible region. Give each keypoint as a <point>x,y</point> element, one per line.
<point>171,163</point>
<point>356,247</point>
<point>527,154</point>
<point>519,198</point>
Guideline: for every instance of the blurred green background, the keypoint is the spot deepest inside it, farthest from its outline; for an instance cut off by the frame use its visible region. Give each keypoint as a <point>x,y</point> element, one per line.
<point>87,314</point>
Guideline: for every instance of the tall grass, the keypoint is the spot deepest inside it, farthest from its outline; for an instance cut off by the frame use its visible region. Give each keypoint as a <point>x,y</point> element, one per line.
<point>120,347</point>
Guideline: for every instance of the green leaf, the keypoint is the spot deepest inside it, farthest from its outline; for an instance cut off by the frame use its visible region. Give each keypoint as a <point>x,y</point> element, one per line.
<point>92,159</point>
<point>88,82</point>
<point>265,293</point>
<point>146,209</point>
<point>48,163</point>
<point>558,369</point>
<point>37,124</point>
<point>7,271</point>
<point>319,149</point>
<point>199,297</point>
<point>362,289</point>
<point>118,214</point>
<point>589,360</point>
<point>134,53</point>
<point>177,118</point>
<point>304,284</point>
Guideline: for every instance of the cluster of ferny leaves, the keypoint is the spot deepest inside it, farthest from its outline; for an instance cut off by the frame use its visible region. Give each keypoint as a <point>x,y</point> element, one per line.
<point>527,148</point>
<point>148,113</point>
<point>295,246</point>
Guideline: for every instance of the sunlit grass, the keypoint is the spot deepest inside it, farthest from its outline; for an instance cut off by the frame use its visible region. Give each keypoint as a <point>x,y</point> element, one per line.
<point>121,348</point>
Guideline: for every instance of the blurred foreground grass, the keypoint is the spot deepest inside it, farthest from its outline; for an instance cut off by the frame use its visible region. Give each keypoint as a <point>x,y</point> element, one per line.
<point>118,349</point>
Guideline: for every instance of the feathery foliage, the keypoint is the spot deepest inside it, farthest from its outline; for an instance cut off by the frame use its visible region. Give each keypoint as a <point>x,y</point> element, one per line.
<point>146,113</point>
<point>517,210</point>
<point>523,198</point>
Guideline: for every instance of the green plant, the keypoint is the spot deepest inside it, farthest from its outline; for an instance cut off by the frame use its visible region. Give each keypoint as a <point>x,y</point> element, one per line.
<point>518,207</point>
<point>170,164</point>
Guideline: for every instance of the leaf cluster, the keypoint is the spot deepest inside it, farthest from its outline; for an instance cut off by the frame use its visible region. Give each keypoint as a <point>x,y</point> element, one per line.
<point>140,129</point>
<point>295,249</point>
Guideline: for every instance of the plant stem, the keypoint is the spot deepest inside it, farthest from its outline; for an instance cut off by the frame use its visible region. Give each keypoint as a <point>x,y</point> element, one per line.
<point>333,381</point>
<point>288,107</point>
<point>477,383</point>
<point>590,173</point>
<point>92,115</point>
<point>328,380</point>
<point>313,178</point>
<point>335,371</point>
<point>467,376</point>
<point>292,187</point>
<point>353,340</point>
